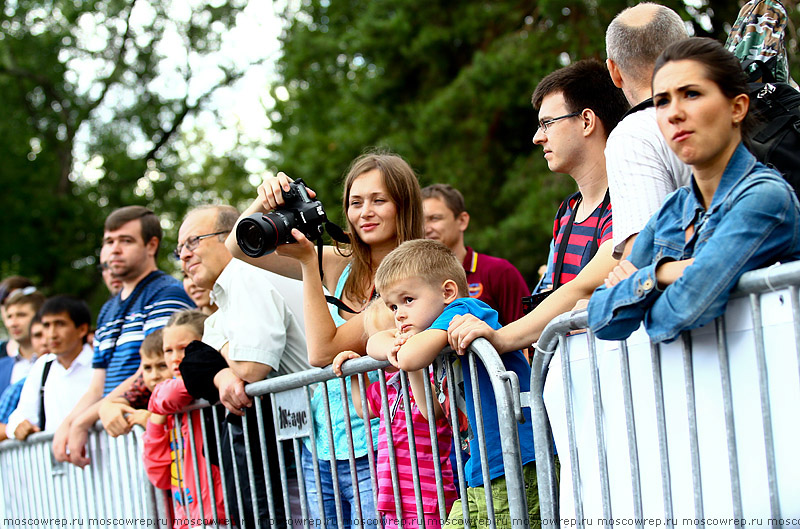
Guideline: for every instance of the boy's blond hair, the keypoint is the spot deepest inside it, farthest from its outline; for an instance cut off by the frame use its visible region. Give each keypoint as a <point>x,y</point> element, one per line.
<point>377,317</point>
<point>153,345</point>
<point>424,259</point>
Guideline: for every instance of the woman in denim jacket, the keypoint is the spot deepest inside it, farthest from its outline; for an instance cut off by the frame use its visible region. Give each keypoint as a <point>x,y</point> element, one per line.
<point>737,216</point>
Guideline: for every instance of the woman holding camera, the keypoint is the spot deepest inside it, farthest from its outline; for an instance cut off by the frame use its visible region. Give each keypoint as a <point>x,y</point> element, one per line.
<point>737,216</point>
<point>383,206</point>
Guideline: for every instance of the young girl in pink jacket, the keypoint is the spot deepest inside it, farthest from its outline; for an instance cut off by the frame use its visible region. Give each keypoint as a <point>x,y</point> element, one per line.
<point>169,460</point>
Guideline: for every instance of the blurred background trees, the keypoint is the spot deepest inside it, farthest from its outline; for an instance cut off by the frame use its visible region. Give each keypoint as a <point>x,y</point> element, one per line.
<point>102,102</point>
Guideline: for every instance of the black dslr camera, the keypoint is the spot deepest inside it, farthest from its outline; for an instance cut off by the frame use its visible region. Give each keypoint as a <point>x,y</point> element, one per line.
<point>260,234</point>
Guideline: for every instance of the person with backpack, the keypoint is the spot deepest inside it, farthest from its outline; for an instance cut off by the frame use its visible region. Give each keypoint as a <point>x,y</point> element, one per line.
<point>738,215</point>
<point>56,380</point>
<point>578,107</point>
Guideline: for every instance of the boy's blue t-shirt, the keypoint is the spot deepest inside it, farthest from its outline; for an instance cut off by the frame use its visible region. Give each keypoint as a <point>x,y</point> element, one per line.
<point>513,361</point>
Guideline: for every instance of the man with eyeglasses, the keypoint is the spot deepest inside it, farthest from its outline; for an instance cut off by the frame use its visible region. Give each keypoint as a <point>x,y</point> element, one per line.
<point>255,333</point>
<point>131,239</point>
<point>578,107</point>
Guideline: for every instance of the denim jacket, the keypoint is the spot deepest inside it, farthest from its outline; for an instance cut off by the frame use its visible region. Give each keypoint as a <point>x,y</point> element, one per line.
<point>753,221</point>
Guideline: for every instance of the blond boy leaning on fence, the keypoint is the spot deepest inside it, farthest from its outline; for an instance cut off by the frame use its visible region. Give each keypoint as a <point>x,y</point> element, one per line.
<point>425,286</point>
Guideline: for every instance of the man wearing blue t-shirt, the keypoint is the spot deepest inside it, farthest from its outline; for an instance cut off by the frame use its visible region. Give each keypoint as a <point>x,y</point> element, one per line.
<point>131,239</point>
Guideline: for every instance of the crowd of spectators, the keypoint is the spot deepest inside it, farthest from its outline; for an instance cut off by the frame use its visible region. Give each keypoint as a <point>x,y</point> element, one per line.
<point>671,210</point>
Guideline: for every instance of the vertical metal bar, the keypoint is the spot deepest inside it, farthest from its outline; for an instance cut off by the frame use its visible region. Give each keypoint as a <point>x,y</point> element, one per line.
<point>251,477</point>
<point>222,471</point>
<point>630,422</point>
<point>412,446</point>
<point>481,434</point>
<point>136,488</point>
<point>209,471</point>
<point>36,481</point>
<point>198,491</point>
<point>287,508</point>
<point>262,436</point>
<point>315,463</point>
<point>124,481</point>
<point>566,379</point>
<point>597,405</point>
<point>301,482</point>
<point>766,409</point>
<point>433,431</point>
<point>691,411</point>
<point>387,425</point>
<point>543,439</point>
<point>661,421</point>
<point>332,456</point>
<point>351,453</point>
<point>795,298</point>
<point>462,478</point>
<point>727,402</point>
<point>96,477</point>
<point>373,473</point>
<point>236,482</point>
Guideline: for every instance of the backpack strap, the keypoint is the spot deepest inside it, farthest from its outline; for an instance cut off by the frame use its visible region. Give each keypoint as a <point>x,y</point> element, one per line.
<point>647,103</point>
<point>596,240</point>
<point>562,246</point>
<point>45,374</point>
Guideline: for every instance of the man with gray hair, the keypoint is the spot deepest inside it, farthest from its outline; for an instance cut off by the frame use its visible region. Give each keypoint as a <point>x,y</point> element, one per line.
<point>642,170</point>
<point>256,333</point>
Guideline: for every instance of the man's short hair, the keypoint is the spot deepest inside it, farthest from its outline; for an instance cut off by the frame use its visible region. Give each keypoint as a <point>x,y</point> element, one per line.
<point>635,49</point>
<point>448,194</point>
<point>12,283</point>
<point>76,309</point>
<point>153,345</point>
<point>585,84</point>
<point>226,216</point>
<point>151,226</point>
<point>424,259</point>
<point>25,296</point>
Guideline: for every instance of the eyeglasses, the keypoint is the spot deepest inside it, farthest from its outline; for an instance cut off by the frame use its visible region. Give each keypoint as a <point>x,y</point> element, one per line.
<point>543,124</point>
<point>192,243</point>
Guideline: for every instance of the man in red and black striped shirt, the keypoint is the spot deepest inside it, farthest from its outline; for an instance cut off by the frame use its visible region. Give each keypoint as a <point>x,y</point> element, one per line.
<point>578,107</point>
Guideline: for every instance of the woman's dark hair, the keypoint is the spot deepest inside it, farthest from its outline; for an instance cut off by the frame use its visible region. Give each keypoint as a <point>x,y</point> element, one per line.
<point>721,67</point>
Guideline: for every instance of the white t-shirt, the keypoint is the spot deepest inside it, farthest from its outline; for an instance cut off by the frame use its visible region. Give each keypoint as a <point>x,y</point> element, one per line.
<point>255,319</point>
<point>642,170</point>
<point>62,391</point>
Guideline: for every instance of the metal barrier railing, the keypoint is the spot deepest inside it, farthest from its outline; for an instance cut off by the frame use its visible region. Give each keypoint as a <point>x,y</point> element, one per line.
<point>268,488</point>
<point>35,490</point>
<point>697,432</point>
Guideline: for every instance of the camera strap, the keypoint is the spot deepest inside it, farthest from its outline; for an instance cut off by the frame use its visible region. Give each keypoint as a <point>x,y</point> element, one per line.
<point>336,302</point>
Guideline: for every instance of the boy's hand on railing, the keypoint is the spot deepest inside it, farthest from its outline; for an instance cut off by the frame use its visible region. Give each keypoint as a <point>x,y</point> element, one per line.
<point>399,340</point>
<point>138,417</point>
<point>340,359</point>
<point>231,392</point>
<point>24,429</point>
<point>112,415</point>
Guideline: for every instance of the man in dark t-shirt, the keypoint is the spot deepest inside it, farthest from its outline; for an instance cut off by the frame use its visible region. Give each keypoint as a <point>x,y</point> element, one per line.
<point>492,280</point>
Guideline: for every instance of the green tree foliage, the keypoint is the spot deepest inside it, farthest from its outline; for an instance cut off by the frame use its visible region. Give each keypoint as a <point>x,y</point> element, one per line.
<point>446,85</point>
<point>98,99</point>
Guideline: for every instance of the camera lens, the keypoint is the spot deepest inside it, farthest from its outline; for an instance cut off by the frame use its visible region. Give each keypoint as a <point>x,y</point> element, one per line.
<point>257,235</point>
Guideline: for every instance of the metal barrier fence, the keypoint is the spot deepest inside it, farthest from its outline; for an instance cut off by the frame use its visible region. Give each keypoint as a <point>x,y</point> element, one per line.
<point>37,491</point>
<point>701,431</point>
<point>267,483</point>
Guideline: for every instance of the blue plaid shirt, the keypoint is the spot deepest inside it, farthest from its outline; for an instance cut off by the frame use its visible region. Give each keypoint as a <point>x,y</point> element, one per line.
<point>9,400</point>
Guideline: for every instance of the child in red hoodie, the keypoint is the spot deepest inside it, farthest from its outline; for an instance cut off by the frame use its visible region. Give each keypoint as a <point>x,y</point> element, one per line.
<point>168,459</point>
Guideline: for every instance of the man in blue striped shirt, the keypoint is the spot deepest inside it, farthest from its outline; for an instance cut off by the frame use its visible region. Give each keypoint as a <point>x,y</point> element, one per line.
<point>148,297</point>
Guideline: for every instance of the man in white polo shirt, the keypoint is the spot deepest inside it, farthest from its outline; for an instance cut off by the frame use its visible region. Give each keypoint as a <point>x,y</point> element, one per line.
<point>57,380</point>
